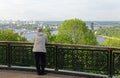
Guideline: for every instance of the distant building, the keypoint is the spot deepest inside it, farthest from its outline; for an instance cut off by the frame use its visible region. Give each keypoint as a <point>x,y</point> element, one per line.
<point>92,26</point>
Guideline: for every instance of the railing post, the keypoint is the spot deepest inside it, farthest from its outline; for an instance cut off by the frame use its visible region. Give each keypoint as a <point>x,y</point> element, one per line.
<point>111,64</point>
<point>56,58</point>
<point>9,55</point>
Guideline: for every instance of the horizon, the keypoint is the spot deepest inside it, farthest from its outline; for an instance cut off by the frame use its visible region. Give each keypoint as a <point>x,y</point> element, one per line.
<point>60,20</point>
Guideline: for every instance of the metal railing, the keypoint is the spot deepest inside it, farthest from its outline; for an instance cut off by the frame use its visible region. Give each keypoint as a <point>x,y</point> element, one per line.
<point>81,58</point>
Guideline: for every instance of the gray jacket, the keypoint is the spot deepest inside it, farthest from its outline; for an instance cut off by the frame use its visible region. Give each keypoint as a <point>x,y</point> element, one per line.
<point>39,43</point>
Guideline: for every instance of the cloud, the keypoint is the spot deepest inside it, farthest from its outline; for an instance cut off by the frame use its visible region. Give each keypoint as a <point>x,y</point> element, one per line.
<point>59,9</point>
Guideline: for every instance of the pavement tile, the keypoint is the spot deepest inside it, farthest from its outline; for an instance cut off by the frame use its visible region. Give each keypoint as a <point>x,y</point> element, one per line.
<point>29,74</point>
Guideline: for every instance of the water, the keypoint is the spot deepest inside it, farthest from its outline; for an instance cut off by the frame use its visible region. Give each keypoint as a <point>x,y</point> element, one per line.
<point>100,39</point>
<point>31,36</point>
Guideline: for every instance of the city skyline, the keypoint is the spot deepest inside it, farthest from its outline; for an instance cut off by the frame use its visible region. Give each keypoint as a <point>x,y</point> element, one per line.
<point>60,10</point>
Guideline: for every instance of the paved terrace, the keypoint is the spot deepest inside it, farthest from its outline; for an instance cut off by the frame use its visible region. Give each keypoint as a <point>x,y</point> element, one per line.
<point>26,72</point>
<point>31,74</point>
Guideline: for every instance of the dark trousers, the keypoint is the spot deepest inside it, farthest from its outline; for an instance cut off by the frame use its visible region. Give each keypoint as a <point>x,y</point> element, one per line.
<point>40,59</point>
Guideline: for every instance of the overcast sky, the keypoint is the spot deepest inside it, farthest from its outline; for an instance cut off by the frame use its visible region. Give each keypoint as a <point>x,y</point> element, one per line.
<point>59,10</point>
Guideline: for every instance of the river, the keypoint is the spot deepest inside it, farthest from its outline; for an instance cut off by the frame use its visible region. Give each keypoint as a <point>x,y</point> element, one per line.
<point>30,36</point>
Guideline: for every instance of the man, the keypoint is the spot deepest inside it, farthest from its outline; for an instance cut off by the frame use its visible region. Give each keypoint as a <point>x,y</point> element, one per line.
<point>39,50</point>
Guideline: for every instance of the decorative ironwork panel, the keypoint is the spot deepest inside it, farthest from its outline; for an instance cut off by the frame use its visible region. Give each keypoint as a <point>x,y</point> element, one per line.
<point>83,60</point>
<point>51,54</point>
<point>22,56</point>
<point>116,62</point>
<point>3,54</point>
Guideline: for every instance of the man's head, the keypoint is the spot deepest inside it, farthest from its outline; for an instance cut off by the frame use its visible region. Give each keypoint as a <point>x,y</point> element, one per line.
<point>40,29</point>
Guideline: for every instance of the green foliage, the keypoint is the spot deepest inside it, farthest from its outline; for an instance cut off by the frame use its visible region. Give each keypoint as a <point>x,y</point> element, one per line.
<point>113,39</point>
<point>9,35</point>
<point>75,31</point>
<point>113,42</point>
<point>51,38</point>
<point>111,31</point>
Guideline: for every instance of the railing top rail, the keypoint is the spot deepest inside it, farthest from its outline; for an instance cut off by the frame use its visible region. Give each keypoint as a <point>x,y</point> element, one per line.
<point>65,45</point>
<point>15,42</point>
<point>87,46</point>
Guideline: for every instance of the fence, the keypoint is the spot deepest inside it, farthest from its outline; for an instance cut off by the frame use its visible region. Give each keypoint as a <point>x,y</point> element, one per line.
<point>81,58</point>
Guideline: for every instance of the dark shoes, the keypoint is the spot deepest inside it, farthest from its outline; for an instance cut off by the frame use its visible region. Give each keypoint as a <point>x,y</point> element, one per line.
<point>42,73</point>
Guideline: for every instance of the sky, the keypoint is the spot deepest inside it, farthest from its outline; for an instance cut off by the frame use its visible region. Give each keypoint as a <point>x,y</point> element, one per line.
<point>59,10</point>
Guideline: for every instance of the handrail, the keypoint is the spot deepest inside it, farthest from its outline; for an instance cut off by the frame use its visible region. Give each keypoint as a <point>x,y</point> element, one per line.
<point>15,42</point>
<point>65,45</point>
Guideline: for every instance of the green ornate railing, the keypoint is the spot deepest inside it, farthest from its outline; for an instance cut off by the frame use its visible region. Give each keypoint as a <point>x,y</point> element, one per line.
<point>81,58</point>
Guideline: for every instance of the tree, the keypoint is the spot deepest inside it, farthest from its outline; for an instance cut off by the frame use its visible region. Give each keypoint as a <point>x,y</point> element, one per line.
<point>9,35</point>
<point>51,38</point>
<point>107,31</point>
<point>113,42</point>
<point>75,31</point>
<point>113,39</point>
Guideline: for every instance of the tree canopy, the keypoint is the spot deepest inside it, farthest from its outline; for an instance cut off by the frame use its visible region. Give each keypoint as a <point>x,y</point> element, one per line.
<point>51,38</point>
<point>107,31</point>
<point>112,33</point>
<point>9,35</point>
<point>112,42</point>
<point>75,31</point>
